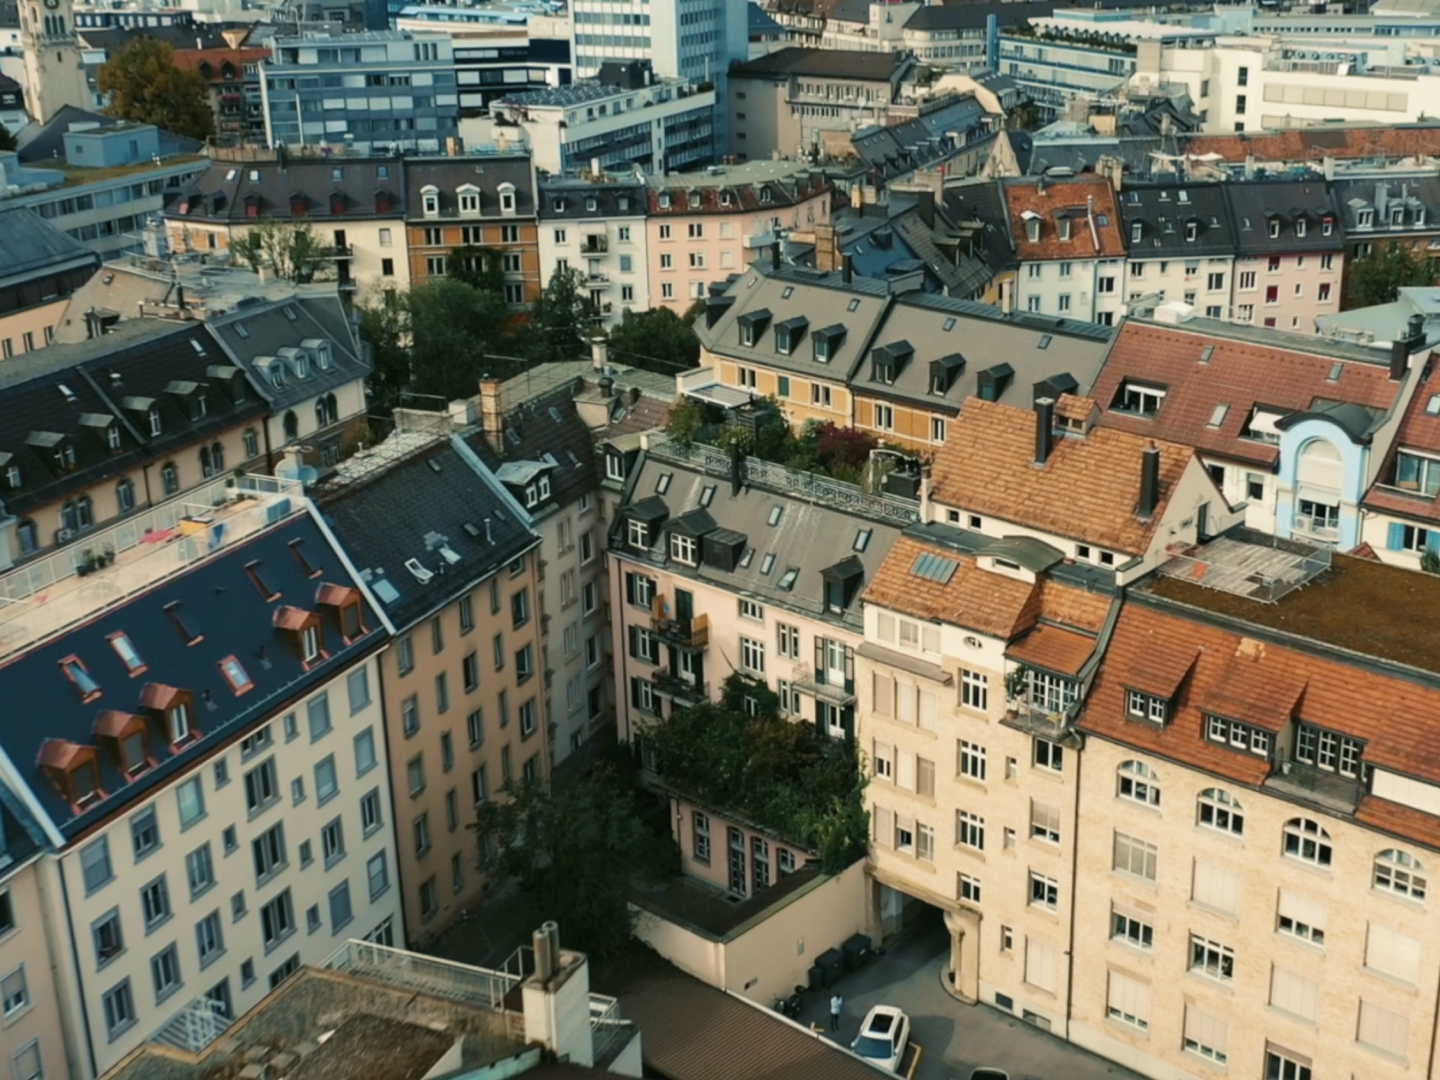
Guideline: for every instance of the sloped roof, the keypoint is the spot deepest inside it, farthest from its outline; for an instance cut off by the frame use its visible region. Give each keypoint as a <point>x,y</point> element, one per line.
<point>1087,489</point>
<point>1281,371</point>
<point>547,429</point>
<point>262,330</point>
<point>224,191</point>
<point>33,246</point>
<point>486,173</point>
<point>1253,205</point>
<point>1419,430</point>
<point>1164,214</point>
<point>1050,199</point>
<point>834,63</point>
<point>1315,144</point>
<point>976,599</point>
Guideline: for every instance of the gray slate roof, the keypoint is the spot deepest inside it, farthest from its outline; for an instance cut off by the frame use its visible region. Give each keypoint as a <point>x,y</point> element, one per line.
<point>32,245</point>
<point>546,431</point>
<point>46,142</point>
<point>1166,212</point>
<point>573,198</point>
<point>1253,204</point>
<point>833,63</point>
<point>262,330</point>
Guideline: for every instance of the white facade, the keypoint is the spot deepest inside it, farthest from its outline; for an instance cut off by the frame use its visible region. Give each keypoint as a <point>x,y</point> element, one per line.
<point>883,32</point>
<point>1091,290</point>
<point>1203,283</point>
<point>612,253</point>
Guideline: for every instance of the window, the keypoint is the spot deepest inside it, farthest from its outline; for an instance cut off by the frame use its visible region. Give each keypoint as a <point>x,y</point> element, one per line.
<point>1327,750</point>
<point>1134,857</point>
<point>1301,917</point>
<point>277,920</point>
<point>1049,755</point>
<point>1128,1001</point>
<point>261,786</point>
<point>683,548</point>
<point>191,798</point>
<point>1137,782</point>
<point>1294,993</point>
<point>969,888</point>
<point>405,655</point>
<point>1205,1036</point>
<point>1383,1030</point>
<point>377,875</point>
<point>415,774</point>
<point>332,842</point>
<point>527,718</point>
<point>1044,891</point>
<point>326,782</point>
<point>972,760</point>
<point>268,850</point>
<point>752,655</point>
<point>95,864</point>
<point>119,1007</point>
<point>970,830</point>
<point>520,608</point>
<point>1215,887</point>
<point>14,992</point>
<point>165,973</point>
<point>1211,958</point>
<point>199,870</point>
<point>421,829</point>
<point>144,833</point>
<point>789,641</point>
<point>1219,810</point>
<point>1392,953</point>
<point>28,1065</point>
<point>1237,736</point>
<point>1399,872</point>
<point>317,713</point>
<point>1307,841</point>
<point>1141,706</point>
<point>1131,928</point>
<point>1044,822</point>
<point>974,690</point>
<point>155,903</point>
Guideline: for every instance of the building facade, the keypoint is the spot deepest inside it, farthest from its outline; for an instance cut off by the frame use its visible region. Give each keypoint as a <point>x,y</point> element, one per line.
<point>597,226</point>
<point>43,269</point>
<point>1288,262</point>
<point>1069,245</point>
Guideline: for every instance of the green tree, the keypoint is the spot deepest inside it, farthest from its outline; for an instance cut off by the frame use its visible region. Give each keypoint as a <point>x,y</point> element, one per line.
<point>657,340</point>
<point>145,86</point>
<point>385,324</point>
<point>560,321</point>
<point>7,138</point>
<point>575,849</point>
<point>451,325</point>
<point>290,249</point>
<point>479,267</point>
<point>1377,278</point>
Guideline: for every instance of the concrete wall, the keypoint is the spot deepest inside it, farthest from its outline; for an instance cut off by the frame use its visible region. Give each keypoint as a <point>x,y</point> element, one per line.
<point>37,1026</point>
<point>772,954</point>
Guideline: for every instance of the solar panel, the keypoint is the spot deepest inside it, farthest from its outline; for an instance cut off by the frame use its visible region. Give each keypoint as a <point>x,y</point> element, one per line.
<point>934,568</point>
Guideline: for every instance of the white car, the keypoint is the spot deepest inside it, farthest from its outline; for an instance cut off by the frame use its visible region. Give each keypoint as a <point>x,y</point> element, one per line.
<point>883,1037</point>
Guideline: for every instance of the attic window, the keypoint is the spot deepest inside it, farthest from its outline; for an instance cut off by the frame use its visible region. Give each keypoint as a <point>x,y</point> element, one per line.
<point>948,326</point>
<point>775,512</point>
<point>154,417</point>
<point>765,194</point>
<point>73,770</point>
<point>1136,229</point>
<point>177,723</point>
<point>126,738</point>
<point>430,200</point>
<point>1300,226</point>
<point>469,197</point>
<point>127,653</point>
<point>663,484</point>
<point>862,540</point>
<point>1140,399</point>
<point>242,330</point>
<point>786,292</point>
<point>1063,227</point>
<point>591,205</point>
<point>707,494</point>
<point>853,305</point>
<point>257,577</point>
<point>1432,407</point>
<point>788,335</point>
<point>537,492</point>
<point>768,563</point>
<point>1192,231</point>
<point>1274,228</point>
<point>1217,415</point>
<point>1327,226</point>
<point>236,675</point>
<point>297,550</point>
<point>694,200</point>
<point>1044,342</point>
<point>746,556</point>
<point>787,579</point>
<point>74,669</point>
<point>181,620</point>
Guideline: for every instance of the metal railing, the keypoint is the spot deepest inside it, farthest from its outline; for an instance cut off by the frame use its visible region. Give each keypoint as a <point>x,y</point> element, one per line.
<point>47,595</point>
<point>818,489</point>
<point>196,1026</point>
<point>609,1030</point>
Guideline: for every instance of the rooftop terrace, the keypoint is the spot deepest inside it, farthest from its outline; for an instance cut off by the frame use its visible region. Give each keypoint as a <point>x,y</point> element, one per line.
<point>1365,607</point>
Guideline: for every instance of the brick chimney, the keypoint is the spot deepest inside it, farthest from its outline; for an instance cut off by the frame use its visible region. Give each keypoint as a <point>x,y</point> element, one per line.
<point>492,420</point>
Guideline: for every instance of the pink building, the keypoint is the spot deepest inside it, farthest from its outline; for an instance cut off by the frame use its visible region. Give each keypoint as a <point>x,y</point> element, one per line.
<point>1289,253</point>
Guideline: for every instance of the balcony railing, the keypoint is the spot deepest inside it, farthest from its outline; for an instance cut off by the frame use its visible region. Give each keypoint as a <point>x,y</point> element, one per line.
<point>668,684</point>
<point>691,634</point>
<point>595,245</point>
<point>597,277</point>
<point>804,680</point>
<point>1038,718</point>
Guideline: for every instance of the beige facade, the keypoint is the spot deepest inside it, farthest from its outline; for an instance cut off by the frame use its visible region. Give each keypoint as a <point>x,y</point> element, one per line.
<point>32,1042</point>
<point>803,399</point>
<point>1287,292</point>
<point>463,722</point>
<point>716,849</point>
<point>262,923</point>
<point>30,329</point>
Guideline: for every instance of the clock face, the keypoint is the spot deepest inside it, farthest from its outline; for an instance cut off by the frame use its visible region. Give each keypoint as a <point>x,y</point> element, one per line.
<point>52,4</point>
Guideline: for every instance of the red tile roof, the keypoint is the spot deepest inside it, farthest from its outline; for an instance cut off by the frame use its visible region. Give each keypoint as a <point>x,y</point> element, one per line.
<point>1261,683</point>
<point>1064,198</point>
<point>1088,489</point>
<point>1054,649</point>
<point>1239,374</point>
<point>976,599</point>
<point>1302,145</point>
<point>1419,430</point>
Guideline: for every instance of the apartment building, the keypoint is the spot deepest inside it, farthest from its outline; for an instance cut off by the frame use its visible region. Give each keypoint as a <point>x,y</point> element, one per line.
<point>955,35</point>
<point>1181,245</point>
<point>302,356</point>
<point>597,226</point>
<point>1068,241</point>
<point>398,92</point>
<point>980,648</point>
<point>1289,253</point>
<point>1102,497</point>
<point>94,433</point>
<point>29,1007</point>
<point>43,267</point>
<point>1056,67</point>
<point>487,202</point>
<point>355,207</point>
<point>788,101</point>
<point>455,567</point>
<point>1404,211</point>
<point>171,740</point>
<point>623,118</point>
<point>717,567</point>
<point>1251,874</point>
<point>232,76</point>
<point>861,26</point>
<point>704,226</point>
<point>1293,428</point>
<point>539,448</point>
<point>1400,521</point>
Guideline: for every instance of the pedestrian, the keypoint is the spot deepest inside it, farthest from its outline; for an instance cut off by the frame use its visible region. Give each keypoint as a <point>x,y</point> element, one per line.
<point>836,1004</point>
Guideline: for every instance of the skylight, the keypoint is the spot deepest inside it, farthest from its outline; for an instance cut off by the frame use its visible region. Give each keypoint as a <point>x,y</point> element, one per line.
<point>126,651</point>
<point>197,345</point>
<point>949,325</point>
<point>236,675</point>
<point>241,330</point>
<point>787,579</point>
<point>775,512</point>
<point>934,568</point>
<point>184,622</point>
<point>768,563</point>
<point>1432,407</point>
<point>289,312</point>
<point>1207,352</point>
<point>1217,416</point>
<point>785,293</point>
<point>1045,340</point>
<point>862,540</point>
<point>707,494</point>
<point>746,556</point>
<point>75,671</point>
<point>852,305</point>
<point>663,484</point>
<point>1335,370</point>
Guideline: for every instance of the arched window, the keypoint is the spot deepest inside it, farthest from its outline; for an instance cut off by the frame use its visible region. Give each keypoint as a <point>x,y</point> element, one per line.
<point>1307,841</point>
<point>292,426</point>
<point>125,495</point>
<point>1400,872</point>
<point>1137,782</point>
<point>320,420</point>
<point>217,457</point>
<point>207,468</point>
<point>170,478</point>
<point>29,536</point>
<point>252,443</point>
<point>1219,810</point>
<point>332,407</point>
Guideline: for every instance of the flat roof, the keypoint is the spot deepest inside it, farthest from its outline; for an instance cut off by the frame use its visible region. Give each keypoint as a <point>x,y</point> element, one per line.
<point>1366,607</point>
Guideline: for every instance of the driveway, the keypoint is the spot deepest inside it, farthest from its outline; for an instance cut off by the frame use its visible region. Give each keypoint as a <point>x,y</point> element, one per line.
<point>956,1038</point>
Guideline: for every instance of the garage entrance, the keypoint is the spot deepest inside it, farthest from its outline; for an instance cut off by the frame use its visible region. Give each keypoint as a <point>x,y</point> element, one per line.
<point>898,909</point>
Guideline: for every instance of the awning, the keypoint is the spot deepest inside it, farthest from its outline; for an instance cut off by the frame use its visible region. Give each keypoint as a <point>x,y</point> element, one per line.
<point>881,655</point>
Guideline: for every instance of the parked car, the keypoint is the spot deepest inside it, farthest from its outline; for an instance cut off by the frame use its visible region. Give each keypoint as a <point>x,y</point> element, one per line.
<point>883,1037</point>
<point>987,1073</point>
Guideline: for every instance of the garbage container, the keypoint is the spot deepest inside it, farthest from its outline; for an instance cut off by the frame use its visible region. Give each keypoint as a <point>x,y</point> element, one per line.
<point>857,952</point>
<point>831,964</point>
<point>816,978</point>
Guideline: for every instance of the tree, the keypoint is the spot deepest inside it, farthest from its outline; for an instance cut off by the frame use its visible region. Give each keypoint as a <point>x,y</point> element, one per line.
<point>451,327</point>
<point>291,249</point>
<point>7,138</point>
<point>575,849</point>
<point>656,340</point>
<point>385,324</point>
<point>559,326</point>
<point>741,755</point>
<point>479,267</point>
<point>145,86</point>
<point>1377,278</point>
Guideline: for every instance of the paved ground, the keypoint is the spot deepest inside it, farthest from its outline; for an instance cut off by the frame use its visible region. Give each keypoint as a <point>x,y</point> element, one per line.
<point>956,1038</point>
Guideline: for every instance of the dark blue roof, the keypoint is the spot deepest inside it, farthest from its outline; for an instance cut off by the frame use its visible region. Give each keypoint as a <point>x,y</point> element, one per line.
<point>233,619</point>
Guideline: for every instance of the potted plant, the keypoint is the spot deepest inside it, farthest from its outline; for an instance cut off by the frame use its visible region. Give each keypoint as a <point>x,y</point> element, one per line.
<point>1016,682</point>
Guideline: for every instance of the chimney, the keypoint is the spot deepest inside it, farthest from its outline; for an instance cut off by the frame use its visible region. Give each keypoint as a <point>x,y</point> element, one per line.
<point>926,204</point>
<point>607,387</point>
<point>1090,218</point>
<point>847,270</point>
<point>775,253</point>
<point>599,353</point>
<point>1044,428</point>
<point>1400,349</point>
<point>737,462</point>
<point>1149,480</point>
<point>924,493</point>
<point>556,1000</point>
<point>492,420</point>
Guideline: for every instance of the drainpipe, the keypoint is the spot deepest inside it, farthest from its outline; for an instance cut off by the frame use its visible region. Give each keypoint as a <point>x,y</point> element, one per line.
<point>75,962</point>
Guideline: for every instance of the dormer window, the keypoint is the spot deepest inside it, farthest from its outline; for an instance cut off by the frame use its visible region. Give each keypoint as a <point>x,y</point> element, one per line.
<point>74,770</point>
<point>1364,218</point>
<point>788,335</point>
<point>752,324</point>
<point>337,203</point>
<point>663,201</point>
<point>65,456</point>
<point>683,548</point>
<point>944,372</point>
<point>430,200</point>
<point>537,492</point>
<point>1139,398</point>
<point>277,374</point>
<point>558,205</point>
<point>1300,226</point>
<point>155,426</point>
<point>112,436</point>
<point>127,740</point>
<point>1063,226</point>
<point>1137,229</point>
<point>12,476</point>
<point>1328,750</point>
<point>1327,225</point>
<point>1419,215</point>
<point>382,202</point>
<point>507,198</point>
<point>1142,706</point>
<point>171,707</point>
<point>638,535</point>
<point>591,205</point>
<point>297,204</point>
<point>1192,231</point>
<point>177,723</point>
<point>725,198</point>
<point>305,632</point>
<point>842,583</point>
<point>1032,226</point>
<point>765,194</point>
<point>1274,228</point>
<point>694,200</point>
<point>1397,215</point>
<point>74,669</point>
<point>302,366</point>
<point>469,199</point>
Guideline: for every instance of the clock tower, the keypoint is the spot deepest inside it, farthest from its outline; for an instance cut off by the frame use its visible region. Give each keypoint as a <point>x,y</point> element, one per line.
<point>54,74</point>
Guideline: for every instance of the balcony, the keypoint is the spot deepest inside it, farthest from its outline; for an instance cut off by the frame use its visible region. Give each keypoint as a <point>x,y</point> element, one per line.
<point>340,251</point>
<point>693,635</point>
<point>597,277</point>
<point>760,240</point>
<point>805,680</point>
<point>595,245</point>
<point>1318,787</point>
<point>1036,718</point>
<point>682,690</point>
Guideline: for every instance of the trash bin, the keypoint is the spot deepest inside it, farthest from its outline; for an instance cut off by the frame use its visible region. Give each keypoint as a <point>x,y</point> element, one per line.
<point>816,978</point>
<point>832,965</point>
<point>857,952</point>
